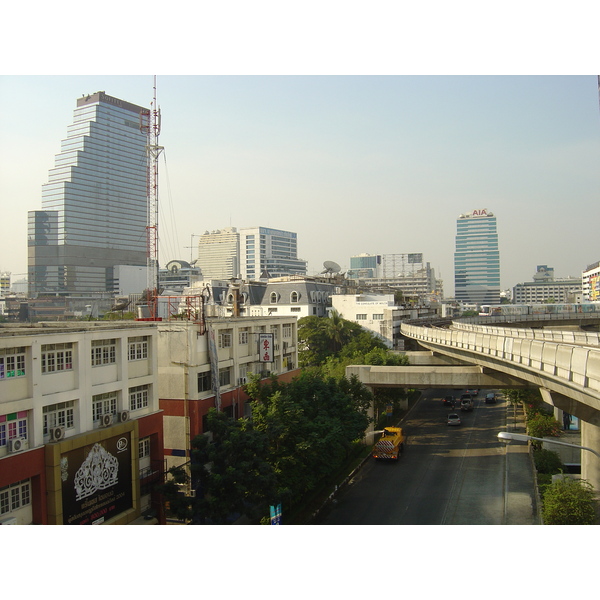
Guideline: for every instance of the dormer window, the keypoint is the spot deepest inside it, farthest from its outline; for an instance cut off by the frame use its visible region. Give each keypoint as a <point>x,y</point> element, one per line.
<point>274,297</point>
<point>294,297</point>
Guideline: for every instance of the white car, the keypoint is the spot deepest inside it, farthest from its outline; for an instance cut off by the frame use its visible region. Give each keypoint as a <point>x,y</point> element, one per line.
<point>453,419</point>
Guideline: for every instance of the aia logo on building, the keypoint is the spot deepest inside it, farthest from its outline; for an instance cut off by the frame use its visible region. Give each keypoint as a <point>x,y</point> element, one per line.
<point>480,213</point>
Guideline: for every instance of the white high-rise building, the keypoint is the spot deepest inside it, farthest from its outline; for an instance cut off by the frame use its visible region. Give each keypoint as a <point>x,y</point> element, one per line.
<point>269,251</point>
<point>219,254</point>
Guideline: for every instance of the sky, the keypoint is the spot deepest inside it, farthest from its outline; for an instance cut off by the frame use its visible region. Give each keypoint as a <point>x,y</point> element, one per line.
<point>352,164</point>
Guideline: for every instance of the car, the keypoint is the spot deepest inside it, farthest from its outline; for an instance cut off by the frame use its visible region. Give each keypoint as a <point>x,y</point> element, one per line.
<point>473,393</point>
<point>466,404</point>
<point>490,398</point>
<point>453,419</point>
<point>449,401</point>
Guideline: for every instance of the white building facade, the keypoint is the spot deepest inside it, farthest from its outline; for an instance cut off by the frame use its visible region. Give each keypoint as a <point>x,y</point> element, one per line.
<point>590,283</point>
<point>219,254</point>
<point>73,395</point>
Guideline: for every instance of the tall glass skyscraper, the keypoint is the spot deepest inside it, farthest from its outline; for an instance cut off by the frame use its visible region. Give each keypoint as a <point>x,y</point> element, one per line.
<point>477,259</point>
<point>94,206</point>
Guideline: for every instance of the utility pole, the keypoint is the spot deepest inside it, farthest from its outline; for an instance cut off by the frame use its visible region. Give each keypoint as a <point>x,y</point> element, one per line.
<point>150,125</point>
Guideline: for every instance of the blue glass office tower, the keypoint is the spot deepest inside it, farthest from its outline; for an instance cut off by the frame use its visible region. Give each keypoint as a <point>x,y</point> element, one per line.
<point>94,206</point>
<point>477,259</point>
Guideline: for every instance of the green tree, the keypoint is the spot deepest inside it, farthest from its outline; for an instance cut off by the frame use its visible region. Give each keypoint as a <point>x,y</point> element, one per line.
<point>569,502</point>
<point>230,475</point>
<point>311,424</point>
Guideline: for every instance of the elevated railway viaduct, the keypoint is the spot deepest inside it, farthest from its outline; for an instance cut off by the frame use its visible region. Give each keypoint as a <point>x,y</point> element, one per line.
<point>561,358</point>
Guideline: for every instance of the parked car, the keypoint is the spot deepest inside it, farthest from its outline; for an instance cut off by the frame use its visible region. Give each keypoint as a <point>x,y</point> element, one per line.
<point>490,398</point>
<point>453,419</point>
<point>449,401</point>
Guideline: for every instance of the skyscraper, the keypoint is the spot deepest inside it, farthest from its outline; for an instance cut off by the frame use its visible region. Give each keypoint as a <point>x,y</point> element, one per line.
<point>219,254</point>
<point>94,206</point>
<point>477,259</point>
<point>269,250</point>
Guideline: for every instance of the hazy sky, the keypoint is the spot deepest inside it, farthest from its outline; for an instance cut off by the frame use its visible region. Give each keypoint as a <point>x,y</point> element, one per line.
<point>353,164</point>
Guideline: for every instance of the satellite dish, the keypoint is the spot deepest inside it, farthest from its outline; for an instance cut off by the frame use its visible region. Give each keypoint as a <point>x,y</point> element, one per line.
<point>331,267</point>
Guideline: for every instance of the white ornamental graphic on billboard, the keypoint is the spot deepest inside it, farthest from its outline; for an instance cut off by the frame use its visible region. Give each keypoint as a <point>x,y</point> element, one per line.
<point>99,471</point>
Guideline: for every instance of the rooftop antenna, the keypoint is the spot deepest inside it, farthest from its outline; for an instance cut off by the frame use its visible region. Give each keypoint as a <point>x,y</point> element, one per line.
<point>150,125</point>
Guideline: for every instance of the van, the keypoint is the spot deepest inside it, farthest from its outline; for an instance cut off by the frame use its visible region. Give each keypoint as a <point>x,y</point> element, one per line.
<point>490,398</point>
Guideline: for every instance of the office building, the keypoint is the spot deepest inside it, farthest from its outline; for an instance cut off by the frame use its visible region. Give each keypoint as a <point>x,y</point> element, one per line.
<point>219,254</point>
<point>94,206</point>
<point>266,253</point>
<point>477,259</point>
<point>545,288</point>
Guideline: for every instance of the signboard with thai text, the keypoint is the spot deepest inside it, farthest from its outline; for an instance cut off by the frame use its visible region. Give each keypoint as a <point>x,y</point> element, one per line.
<point>96,481</point>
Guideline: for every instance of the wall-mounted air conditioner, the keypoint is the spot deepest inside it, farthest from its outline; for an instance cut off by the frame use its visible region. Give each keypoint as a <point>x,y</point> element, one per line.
<point>57,434</point>
<point>123,416</point>
<point>106,420</point>
<point>16,445</point>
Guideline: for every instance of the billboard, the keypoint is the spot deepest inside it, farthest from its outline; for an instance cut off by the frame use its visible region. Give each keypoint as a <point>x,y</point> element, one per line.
<point>265,347</point>
<point>96,481</point>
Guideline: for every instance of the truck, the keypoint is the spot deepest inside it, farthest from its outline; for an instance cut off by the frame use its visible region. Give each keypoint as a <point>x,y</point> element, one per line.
<point>390,445</point>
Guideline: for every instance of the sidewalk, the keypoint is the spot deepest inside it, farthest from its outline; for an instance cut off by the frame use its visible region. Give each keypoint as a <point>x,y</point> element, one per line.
<point>521,497</point>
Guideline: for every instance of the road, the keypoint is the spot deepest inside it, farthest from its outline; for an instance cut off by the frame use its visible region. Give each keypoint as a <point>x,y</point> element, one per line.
<point>446,476</point>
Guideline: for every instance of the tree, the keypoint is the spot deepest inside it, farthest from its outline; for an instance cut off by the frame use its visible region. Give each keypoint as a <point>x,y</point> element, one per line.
<point>230,475</point>
<point>311,424</point>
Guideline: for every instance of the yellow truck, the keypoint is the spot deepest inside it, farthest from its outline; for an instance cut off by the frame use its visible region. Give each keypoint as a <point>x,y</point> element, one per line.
<point>390,445</point>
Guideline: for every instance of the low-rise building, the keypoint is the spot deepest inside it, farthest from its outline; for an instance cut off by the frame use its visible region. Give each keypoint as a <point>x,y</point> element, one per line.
<point>546,288</point>
<point>590,283</point>
<point>204,364</point>
<point>80,425</point>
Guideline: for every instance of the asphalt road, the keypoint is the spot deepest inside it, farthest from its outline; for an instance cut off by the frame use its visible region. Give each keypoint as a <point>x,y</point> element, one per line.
<point>446,475</point>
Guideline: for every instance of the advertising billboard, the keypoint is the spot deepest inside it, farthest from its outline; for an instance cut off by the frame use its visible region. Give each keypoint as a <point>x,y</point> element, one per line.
<point>96,481</point>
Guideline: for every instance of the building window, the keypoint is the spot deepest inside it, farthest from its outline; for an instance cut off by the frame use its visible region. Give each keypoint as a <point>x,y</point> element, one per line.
<point>287,330</point>
<point>294,296</point>
<point>57,357</point>
<point>144,448</point>
<point>225,376</point>
<point>361,317</point>
<point>225,340</point>
<point>204,382</point>
<point>273,297</point>
<point>138,397</point>
<point>15,496</point>
<point>377,317</point>
<point>104,352</point>
<point>243,337</point>
<point>12,362</point>
<point>138,348</point>
<point>13,425</point>
<point>59,415</point>
<point>103,404</point>
<point>295,309</point>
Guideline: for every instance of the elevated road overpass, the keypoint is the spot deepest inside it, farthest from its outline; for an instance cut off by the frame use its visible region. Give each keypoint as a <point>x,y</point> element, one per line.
<point>563,363</point>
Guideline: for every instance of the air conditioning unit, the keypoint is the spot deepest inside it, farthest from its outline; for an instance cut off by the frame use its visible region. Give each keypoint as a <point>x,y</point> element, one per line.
<point>124,416</point>
<point>57,434</point>
<point>16,444</point>
<point>106,420</point>
<point>9,521</point>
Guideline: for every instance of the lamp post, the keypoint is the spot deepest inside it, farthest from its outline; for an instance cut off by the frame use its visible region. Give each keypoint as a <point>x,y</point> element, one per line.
<point>505,436</point>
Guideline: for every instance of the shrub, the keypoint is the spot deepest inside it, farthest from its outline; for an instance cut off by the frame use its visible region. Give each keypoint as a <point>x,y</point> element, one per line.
<point>547,461</point>
<point>569,502</point>
<point>543,426</point>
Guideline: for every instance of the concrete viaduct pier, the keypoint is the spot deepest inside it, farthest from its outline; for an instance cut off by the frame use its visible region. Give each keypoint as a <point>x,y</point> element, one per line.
<point>564,364</point>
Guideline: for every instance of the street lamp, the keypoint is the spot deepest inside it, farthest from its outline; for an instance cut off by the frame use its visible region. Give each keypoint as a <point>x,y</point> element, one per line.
<point>505,436</point>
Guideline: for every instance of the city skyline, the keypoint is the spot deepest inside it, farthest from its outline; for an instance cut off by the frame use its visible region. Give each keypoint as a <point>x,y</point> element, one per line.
<point>352,164</point>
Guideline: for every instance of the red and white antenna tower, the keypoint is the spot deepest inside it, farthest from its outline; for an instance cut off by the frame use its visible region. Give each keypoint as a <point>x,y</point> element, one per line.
<point>150,125</point>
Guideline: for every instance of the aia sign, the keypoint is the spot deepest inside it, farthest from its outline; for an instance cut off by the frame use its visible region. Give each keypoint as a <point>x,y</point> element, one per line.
<point>480,213</point>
